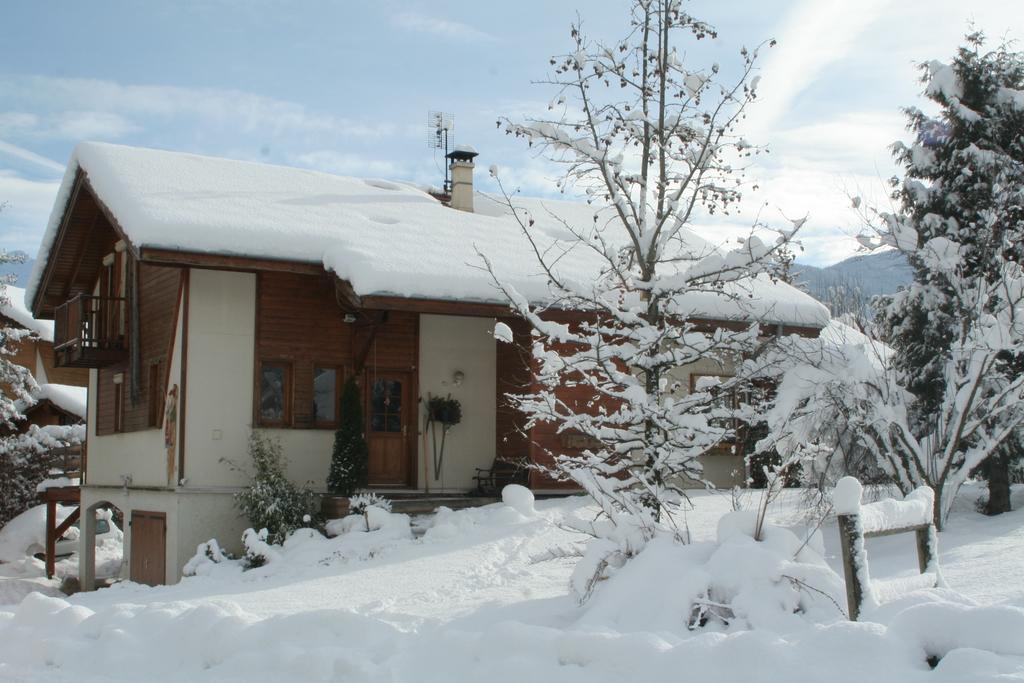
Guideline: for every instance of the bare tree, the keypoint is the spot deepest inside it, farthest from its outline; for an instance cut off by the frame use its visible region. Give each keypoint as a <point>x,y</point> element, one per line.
<point>653,142</point>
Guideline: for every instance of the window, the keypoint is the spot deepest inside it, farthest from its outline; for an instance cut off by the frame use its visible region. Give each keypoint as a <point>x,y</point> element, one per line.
<point>386,405</point>
<point>156,394</point>
<point>275,394</point>
<point>325,396</point>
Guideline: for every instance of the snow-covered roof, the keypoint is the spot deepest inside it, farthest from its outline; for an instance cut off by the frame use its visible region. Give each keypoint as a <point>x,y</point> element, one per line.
<point>838,335</point>
<point>16,309</point>
<point>383,237</point>
<point>64,396</point>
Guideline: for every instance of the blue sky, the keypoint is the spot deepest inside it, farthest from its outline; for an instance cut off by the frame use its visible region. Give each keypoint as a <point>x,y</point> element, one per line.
<point>345,87</point>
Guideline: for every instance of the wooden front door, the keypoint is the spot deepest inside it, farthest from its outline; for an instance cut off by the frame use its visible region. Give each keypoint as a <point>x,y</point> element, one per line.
<point>149,547</point>
<point>390,427</point>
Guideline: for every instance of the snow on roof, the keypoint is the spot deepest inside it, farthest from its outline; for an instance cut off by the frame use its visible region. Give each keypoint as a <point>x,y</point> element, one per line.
<point>16,309</point>
<point>64,396</point>
<point>383,237</point>
<point>837,335</point>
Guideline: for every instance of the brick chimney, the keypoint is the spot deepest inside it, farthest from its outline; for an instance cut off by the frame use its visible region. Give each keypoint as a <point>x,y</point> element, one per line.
<point>462,177</point>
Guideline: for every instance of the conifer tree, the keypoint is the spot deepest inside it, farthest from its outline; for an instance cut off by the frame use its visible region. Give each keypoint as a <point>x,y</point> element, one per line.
<point>349,461</point>
<point>947,396</point>
<point>963,184</point>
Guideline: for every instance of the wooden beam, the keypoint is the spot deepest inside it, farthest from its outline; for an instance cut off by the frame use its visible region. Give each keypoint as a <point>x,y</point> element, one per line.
<point>192,259</point>
<point>439,306</point>
<point>346,296</point>
<point>68,521</point>
<point>51,543</point>
<point>169,355</point>
<point>55,531</point>
<point>183,379</point>
<point>360,359</point>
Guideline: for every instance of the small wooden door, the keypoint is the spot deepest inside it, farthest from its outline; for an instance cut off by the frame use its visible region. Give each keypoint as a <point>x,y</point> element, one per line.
<point>149,547</point>
<point>390,427</point>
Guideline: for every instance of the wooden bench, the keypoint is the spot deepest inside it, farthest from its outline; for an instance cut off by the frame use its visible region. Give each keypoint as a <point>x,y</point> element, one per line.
<point>504,471</point>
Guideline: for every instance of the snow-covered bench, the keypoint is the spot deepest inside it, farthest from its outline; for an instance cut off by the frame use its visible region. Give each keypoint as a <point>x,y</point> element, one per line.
<point>883,518</point>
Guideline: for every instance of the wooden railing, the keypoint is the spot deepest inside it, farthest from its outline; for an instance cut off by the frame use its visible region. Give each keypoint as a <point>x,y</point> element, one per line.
<point>89,331</point>
<point>858,522</point>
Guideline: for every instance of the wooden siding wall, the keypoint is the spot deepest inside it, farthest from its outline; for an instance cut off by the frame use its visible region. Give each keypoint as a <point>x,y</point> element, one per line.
<point>298,321</point>
<point>77,377</point>
<point>159,288</point>
<point>545,442</point>
<point>24,354</point>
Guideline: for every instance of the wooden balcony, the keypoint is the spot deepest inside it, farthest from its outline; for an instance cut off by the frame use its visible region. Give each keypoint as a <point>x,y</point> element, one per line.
<point>89,332</point>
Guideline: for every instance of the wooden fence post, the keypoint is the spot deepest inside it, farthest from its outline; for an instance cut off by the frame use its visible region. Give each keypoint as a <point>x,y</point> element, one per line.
<point>852,542</point>
<point>852,533</point>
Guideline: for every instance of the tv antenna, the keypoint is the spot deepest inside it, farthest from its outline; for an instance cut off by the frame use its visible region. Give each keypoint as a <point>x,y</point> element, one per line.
<point>441,135</point>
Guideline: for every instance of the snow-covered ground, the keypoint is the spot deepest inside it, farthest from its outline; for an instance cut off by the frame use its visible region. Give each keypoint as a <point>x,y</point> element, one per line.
<point>473,600</point>
<point>21,573</point>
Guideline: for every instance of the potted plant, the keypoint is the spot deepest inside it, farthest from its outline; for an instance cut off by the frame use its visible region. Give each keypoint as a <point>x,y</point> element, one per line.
<point>349,460</point>
<point>447,412</point>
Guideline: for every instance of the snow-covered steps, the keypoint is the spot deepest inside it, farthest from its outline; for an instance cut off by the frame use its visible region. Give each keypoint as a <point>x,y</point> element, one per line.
<point>426,504</point>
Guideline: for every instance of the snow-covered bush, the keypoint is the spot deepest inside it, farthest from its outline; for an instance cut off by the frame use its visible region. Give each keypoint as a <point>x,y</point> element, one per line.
<point>271,502</point>
<point>258,551</point>
<point>208,553</point>
<point>24,464</point>
<point>368,512</point>
<point>734,583</point>
<point>358,504</point>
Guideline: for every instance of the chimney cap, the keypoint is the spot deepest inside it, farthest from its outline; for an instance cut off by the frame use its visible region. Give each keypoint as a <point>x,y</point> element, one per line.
<point>462,153</point>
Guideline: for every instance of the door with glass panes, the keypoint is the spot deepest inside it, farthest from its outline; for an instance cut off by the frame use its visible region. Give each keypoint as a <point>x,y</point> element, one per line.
<point>390,429</point>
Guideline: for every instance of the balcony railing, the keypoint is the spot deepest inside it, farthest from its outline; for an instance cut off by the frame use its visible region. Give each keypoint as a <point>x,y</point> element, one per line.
<point>89,332</point>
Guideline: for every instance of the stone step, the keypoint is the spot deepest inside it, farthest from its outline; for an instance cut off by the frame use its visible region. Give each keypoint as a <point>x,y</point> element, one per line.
<point>425,505</point>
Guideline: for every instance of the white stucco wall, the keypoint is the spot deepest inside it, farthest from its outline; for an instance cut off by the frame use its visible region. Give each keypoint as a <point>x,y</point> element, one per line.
<point>218,395</point>
<point>40,372</point>
<point>192,518</point>
<point>202,515</point>
<point>449,344</point>
<point>308,452</point>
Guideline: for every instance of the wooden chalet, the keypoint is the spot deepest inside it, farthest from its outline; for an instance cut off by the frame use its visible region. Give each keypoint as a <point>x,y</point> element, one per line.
<point>209,297</point>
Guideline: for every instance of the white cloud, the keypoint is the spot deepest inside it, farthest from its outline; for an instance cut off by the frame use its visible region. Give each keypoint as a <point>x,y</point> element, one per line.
<point>8,149</point>
<point>419,23</point>
<point>344,163</point>
<point>101,108</point>
<point>28,205</point>
<point>89,125</point>
<point>818,34</point>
